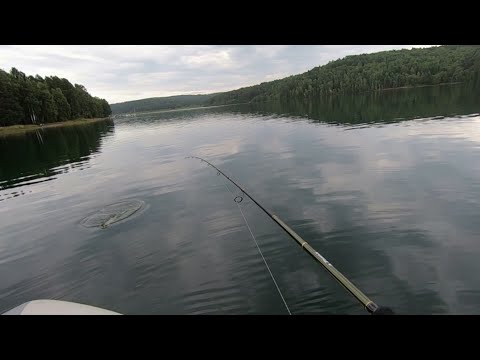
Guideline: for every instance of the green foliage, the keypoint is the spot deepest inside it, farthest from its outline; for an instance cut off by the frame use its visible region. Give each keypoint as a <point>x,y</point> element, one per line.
<point>367,72</point>
<point>32,100</point>
<point>10,108</point>
<point>61,104</point>
<point>160,103</point>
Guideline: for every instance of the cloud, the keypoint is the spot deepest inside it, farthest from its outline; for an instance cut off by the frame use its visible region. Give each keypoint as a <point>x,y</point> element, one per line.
<point>129,72</point>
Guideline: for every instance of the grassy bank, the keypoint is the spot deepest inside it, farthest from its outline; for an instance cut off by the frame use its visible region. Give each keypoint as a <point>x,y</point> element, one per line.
<point>21,129</point>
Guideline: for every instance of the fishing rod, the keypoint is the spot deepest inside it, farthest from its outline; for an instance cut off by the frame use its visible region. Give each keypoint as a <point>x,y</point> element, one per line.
<point>369,305</point>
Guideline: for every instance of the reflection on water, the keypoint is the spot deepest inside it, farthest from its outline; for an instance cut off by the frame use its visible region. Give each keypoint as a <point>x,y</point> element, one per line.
<point>381,106</point>
<point>39,156</point>
<point>394,206</point>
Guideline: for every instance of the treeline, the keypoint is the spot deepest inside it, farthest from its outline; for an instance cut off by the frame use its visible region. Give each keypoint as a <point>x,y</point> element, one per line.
<point>35,100</point>
<point>160,103</point>
<point>367,72</point>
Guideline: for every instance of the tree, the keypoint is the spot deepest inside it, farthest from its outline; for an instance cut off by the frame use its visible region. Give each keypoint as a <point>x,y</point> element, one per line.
<point>10,108</point>
<point>107,111</point>
<point>61,105</point>
<point>48,111</point>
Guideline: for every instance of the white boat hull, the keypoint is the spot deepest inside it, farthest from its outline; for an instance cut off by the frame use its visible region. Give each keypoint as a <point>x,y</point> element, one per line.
<point>56,307</point>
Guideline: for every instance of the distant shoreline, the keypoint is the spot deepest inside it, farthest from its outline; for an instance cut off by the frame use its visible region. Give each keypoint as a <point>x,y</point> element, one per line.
<point>216,106</point>
<point>419,86</point>
<point>176,109</point>
<point>21,129</point>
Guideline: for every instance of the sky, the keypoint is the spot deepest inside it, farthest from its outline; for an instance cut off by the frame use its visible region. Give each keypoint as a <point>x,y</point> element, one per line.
<point>130,72</point>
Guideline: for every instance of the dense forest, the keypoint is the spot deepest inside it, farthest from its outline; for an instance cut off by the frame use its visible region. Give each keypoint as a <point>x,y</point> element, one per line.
<point>161,103</point>
<point>367,72</point>
<point>35,100</point>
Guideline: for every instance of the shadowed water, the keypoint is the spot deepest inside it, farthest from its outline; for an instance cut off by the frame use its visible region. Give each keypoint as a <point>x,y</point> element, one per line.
<point>386,186</point>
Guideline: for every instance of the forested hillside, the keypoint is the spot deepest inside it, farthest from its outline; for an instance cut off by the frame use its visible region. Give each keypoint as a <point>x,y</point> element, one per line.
<point>360,73</point>
<point>160,103</point>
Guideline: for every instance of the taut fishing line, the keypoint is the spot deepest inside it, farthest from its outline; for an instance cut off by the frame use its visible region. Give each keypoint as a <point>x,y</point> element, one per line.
<point>238,200</point>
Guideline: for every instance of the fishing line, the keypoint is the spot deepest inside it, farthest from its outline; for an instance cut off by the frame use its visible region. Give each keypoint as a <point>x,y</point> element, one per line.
<point>256,243</point>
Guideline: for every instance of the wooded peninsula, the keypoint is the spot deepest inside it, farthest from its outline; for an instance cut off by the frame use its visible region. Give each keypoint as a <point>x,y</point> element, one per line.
<point>33,100</point>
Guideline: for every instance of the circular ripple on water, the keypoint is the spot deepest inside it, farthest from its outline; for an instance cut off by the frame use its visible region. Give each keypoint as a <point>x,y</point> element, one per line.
<point>113,214</point>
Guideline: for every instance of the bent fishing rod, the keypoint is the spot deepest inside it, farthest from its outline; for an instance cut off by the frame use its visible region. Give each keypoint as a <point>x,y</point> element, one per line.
<point>369,305</point>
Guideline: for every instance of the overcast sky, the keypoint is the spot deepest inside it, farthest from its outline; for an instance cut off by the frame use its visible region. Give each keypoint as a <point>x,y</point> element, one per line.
<point>129,72</point>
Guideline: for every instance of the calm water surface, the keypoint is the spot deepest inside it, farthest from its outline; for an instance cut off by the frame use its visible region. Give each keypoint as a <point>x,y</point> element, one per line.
<point>386,186</point>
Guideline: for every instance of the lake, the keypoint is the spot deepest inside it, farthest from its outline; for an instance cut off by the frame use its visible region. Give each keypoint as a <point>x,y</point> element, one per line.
<point>386,186</point>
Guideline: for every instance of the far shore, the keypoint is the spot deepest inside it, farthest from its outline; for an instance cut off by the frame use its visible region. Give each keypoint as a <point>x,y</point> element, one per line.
<point>420,86</point>
<point>20,129</point>
<point>176,109</point>
<point>217,106</point>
